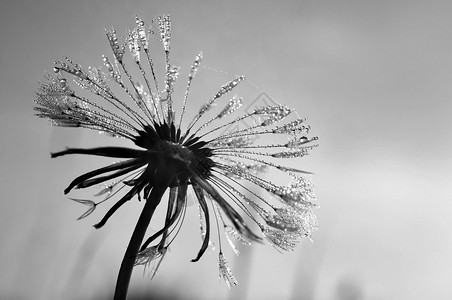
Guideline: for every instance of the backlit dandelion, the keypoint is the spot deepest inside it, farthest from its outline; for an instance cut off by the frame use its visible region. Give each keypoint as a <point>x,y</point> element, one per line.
<point>222,166</point>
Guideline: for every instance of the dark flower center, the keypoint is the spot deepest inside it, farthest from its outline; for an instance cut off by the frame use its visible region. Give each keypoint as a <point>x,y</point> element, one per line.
<point>173,162</point>
<point>174,158</point>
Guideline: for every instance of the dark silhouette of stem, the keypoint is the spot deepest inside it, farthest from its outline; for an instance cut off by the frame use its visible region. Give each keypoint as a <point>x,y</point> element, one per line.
<point>125,271</point>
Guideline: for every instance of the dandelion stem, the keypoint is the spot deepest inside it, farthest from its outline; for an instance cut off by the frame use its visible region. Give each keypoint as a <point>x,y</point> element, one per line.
<point>125,271</point>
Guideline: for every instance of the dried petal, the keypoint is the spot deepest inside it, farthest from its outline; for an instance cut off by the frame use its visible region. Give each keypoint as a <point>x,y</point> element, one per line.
<point>91,206</point>
<point>150,256</point>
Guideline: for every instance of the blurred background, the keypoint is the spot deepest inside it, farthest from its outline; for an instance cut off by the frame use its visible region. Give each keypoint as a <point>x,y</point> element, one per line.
<point>374,78</point>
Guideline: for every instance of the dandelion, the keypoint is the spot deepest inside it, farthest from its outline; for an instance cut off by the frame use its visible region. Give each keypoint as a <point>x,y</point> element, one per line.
<point>223,167</point>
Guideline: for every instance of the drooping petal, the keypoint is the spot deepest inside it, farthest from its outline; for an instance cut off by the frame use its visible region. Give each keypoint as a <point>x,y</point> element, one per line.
<point>118,152</point>
<point>135,190</point>
<point>97,180</point>
<point>138,162</point>
<point>173,216</point>
<point>202,202</point>
<point>230,212</point>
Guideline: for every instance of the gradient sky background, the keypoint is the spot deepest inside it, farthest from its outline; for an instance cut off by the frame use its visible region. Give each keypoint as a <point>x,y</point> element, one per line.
<point>374,78</point>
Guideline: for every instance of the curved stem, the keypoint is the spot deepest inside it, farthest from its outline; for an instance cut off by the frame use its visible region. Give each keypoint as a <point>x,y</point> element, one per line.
<point>125,271</point>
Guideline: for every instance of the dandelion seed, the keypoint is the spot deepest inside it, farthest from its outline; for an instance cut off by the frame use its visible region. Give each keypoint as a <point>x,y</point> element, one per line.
<point>91,206</point>
<point>225,272</point>
<point>222,166</point>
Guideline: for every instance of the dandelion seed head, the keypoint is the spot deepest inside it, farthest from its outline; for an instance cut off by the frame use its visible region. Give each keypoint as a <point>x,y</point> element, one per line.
<point>221,154</point>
